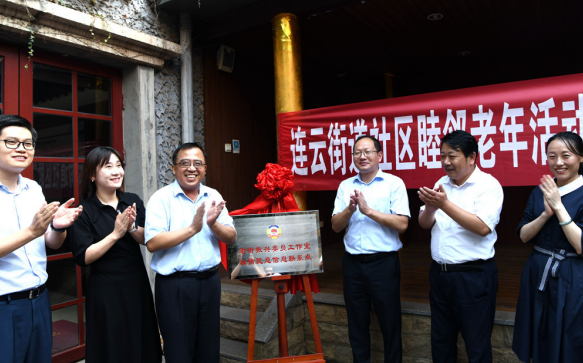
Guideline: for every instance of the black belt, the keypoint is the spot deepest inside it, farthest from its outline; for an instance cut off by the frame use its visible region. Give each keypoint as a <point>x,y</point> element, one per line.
<point>27,294</point>
<point>199,275</point>
<point>370,257</point>
<point>461,267</point>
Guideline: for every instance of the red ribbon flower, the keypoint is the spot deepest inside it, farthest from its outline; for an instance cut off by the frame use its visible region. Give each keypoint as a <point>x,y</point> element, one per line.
<point>275,181</point>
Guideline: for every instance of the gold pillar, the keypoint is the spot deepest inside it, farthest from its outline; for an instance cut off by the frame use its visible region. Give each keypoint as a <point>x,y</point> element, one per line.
<point>288,73</point>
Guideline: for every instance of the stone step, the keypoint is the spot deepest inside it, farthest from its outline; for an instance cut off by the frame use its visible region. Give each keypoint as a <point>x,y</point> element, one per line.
<point>233,351</point>
<point>235,323</point>
<point>239,296</point>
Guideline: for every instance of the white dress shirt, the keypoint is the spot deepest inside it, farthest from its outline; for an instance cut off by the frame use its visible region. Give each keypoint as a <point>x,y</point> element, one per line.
<point>481,195</point>
<point>169,209</point>
<point>386,193</point>
<point>26,267</point>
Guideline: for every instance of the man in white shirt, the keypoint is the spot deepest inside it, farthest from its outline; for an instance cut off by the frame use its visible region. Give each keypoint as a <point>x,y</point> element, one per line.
<point>25,310</point>
<point>184,223</point>
<point>462,211</point>
<point>373,208</point>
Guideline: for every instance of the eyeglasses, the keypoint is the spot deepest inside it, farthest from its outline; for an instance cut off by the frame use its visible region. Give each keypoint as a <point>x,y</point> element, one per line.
<point>15,144</point>
<point>367,153</point>
<point>185,164</point>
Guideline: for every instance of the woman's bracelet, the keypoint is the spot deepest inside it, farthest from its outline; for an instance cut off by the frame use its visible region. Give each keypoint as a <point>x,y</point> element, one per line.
<point>134,229</point>
<point>565,223</point>
<point>59,230</point>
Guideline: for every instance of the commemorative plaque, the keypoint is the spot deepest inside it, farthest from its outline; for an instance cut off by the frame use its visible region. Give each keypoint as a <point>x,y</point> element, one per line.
<point>276,244</point>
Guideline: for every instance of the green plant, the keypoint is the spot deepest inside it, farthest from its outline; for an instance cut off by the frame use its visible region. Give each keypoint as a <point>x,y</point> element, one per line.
<point>30,38</point>
<point>96,15</point>
<point>61,3</point>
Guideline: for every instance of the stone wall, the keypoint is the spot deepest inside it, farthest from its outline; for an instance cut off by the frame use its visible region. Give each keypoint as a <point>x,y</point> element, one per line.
<point>168,120</point>
<point>198,95</point>
<point>141,15</point>
<point>168,114</point>
<point>416,334</point>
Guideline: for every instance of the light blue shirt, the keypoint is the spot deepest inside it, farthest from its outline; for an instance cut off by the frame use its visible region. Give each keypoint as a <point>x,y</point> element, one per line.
<point>386,193</point>
<point>26,267</point>
<point>169,209</point>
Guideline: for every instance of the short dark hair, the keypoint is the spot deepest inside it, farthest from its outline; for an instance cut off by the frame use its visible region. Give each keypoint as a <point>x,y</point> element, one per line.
<point>571,140</point>
<point>463,141</point>
<point>377,144</point>
<point>188,146</point>
<point>15,120</point>
<point>94,160</point>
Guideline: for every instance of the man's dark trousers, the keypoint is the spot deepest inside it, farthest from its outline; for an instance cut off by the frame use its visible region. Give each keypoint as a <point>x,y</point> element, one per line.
<point>463,302</point>
<point>377,282</point>
<point>26,330</point>
<point>188,312</point>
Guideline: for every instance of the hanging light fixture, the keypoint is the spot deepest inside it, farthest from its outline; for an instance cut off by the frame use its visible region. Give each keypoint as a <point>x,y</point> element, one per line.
<point>435,16</point>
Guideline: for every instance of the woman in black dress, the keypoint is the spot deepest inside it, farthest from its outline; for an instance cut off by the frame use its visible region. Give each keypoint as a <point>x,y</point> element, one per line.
<point>549,315</point>
<point>121,321</point>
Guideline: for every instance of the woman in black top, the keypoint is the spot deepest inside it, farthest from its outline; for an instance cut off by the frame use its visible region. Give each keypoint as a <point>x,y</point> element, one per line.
<point>121,322</point>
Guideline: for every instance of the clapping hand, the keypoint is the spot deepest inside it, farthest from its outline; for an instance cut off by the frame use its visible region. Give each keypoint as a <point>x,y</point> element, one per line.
<point>550,193</point>
<point>132,215</point>
<point>197,221</point>
<point>65,216</point>
<point>214,212</point>
<point>548,210</point>
<point>353,202</point>
<point>433,198</point>
<point>121,224</point>
<point>362,204</point>
<point>43,218</point>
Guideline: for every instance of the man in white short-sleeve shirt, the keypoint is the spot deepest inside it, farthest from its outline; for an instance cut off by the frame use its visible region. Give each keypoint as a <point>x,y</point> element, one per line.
<point>184,223</point>
<point>373,208</point>
<point>25,308</point>
<point>462,211</point>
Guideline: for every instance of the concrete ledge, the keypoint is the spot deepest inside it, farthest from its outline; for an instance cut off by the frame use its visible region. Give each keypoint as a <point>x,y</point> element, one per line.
<point>326,298</point>
<point>504,318</point>
<point>234,350</point>
<point>59,24</point>
<point>411,308</point>
<point>237,315</point>
<point>246,289</point>
<point>266,322</point>
<point>235,323</point>
<point>267,326</point>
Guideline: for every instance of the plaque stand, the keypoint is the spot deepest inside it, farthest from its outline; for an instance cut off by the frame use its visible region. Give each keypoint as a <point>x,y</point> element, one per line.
<point>281,288</point>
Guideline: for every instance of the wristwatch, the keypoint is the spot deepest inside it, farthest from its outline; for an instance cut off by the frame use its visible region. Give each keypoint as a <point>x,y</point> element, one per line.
<point>60,230</point>
<point>134,229</point>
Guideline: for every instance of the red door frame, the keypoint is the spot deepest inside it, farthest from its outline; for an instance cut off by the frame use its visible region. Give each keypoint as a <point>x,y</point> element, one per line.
<point>20,102</point>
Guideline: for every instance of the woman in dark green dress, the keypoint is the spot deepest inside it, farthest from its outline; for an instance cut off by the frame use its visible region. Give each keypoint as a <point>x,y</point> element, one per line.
<point>121,321</point>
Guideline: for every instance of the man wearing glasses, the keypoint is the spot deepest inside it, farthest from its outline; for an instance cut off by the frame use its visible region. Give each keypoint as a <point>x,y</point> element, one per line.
<point>184,223</point>
<point>373,208</point>
<point>25,310</point>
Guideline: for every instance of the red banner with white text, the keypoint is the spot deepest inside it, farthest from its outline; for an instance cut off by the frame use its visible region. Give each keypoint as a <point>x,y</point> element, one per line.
<point>512,123</point>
